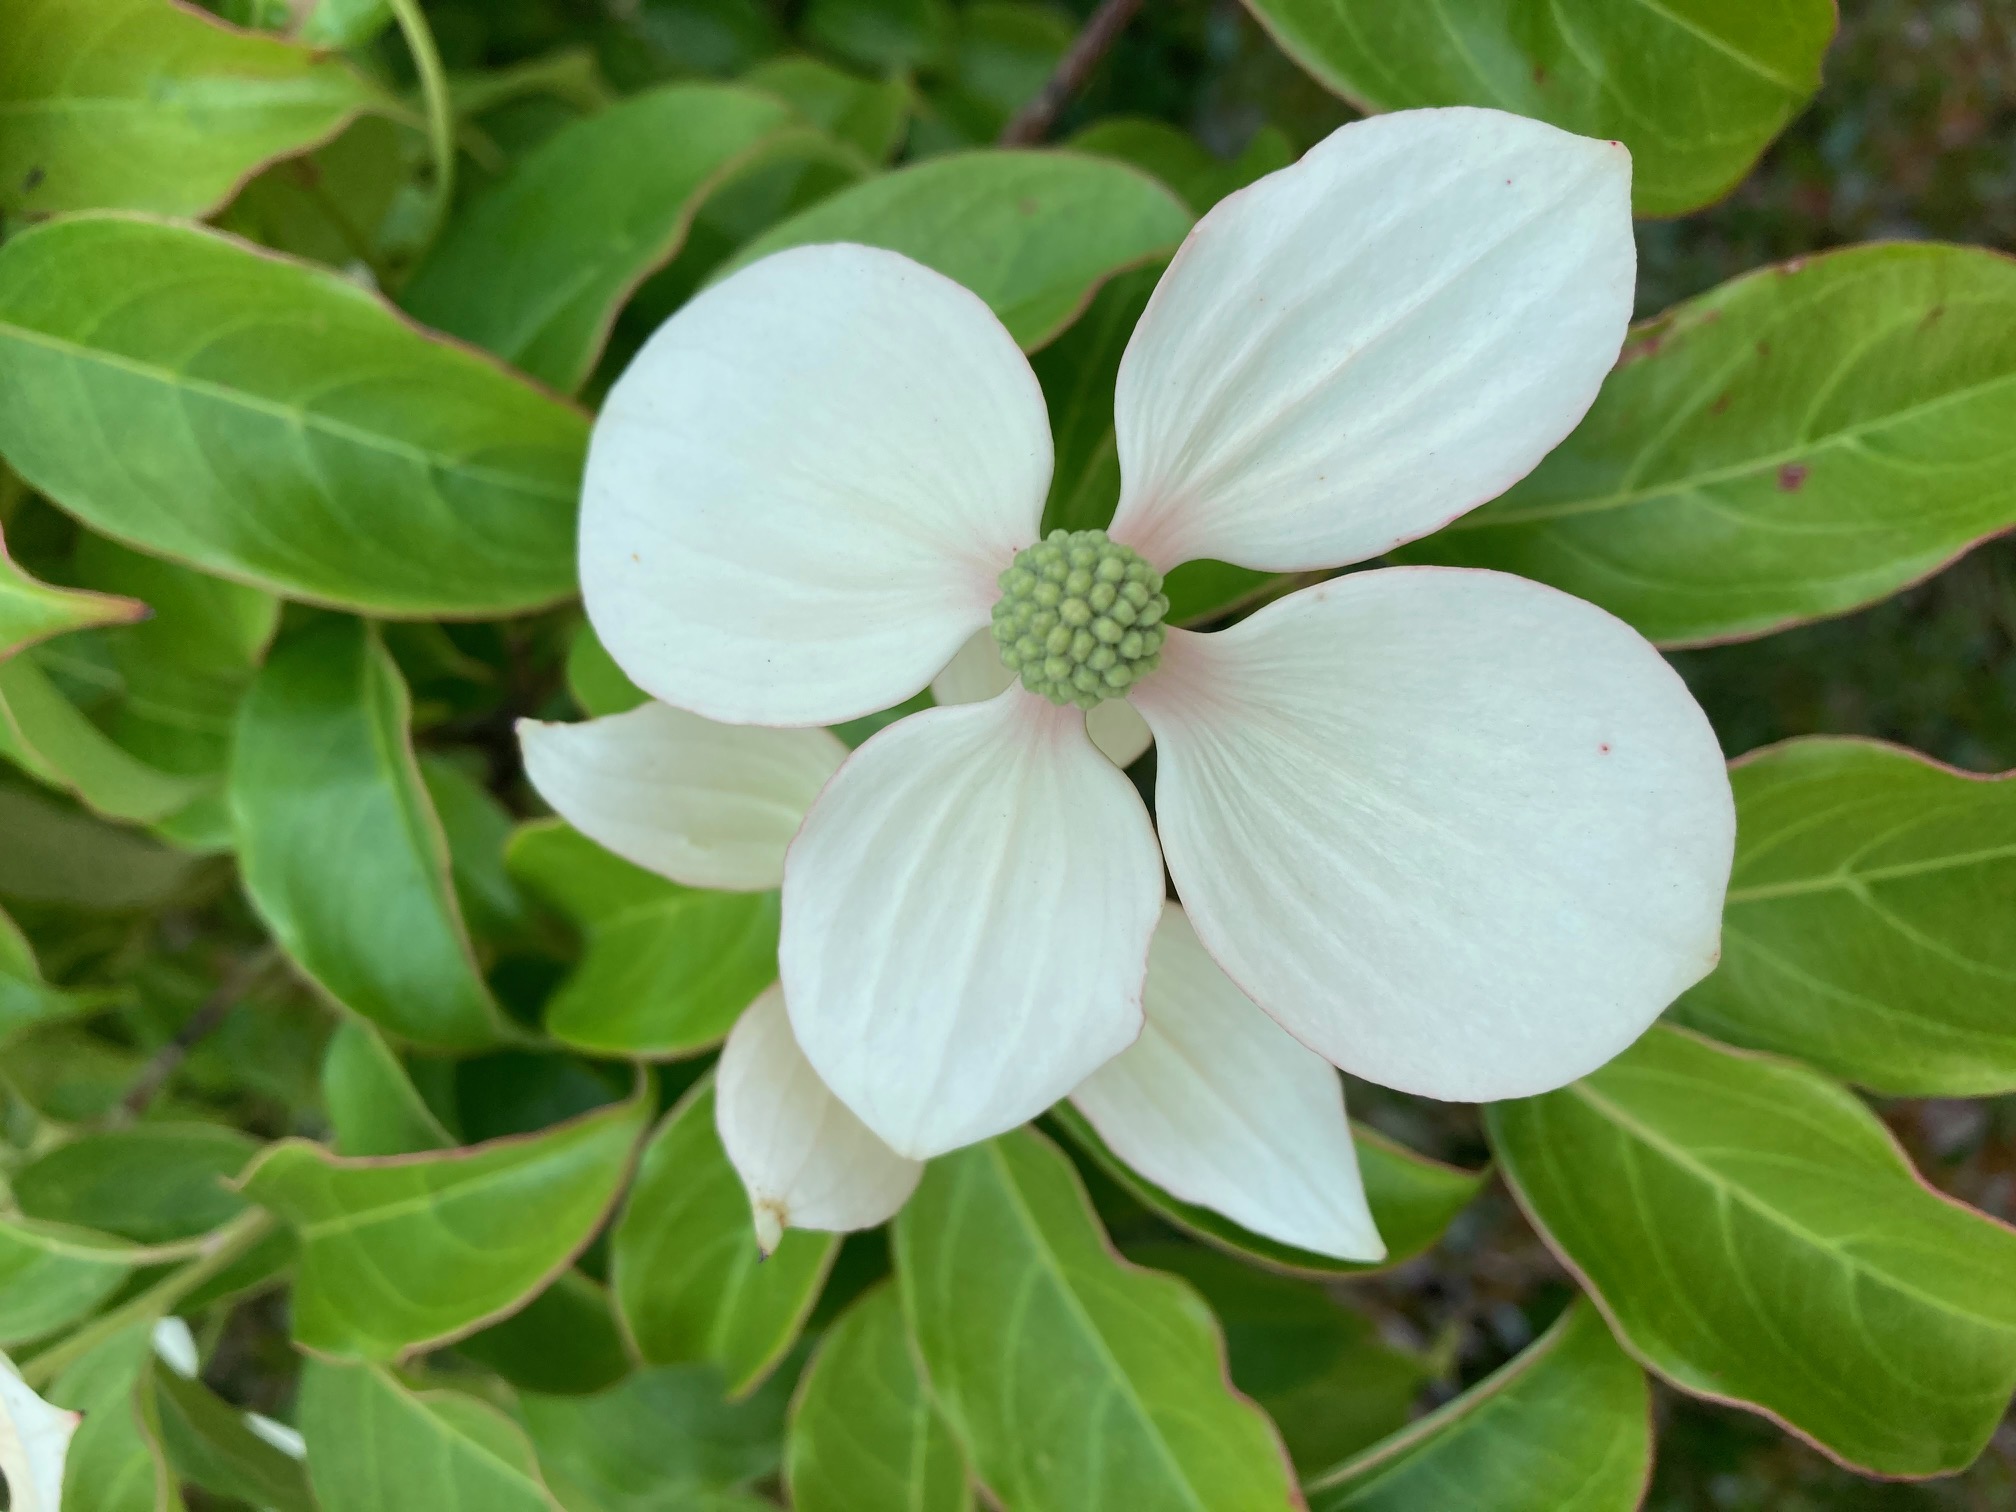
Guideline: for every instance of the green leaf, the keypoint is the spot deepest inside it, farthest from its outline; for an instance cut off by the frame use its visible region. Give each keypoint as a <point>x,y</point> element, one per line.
<point>478,828</point>
<point>51,739</point>
<point>32,611</point>
<point>666,970</point>
<point>373,1107</point>
<point>25,998</point>
<point>537,266</point>
<point>1413,1200</point>
<point>343,24</point>
<point>597,684</point>
<point>1696,91</point>
<point>408,1251</point>
<point>116,1462</point>
<point>1003,53</point>
<point>1868,924</point>
<point>1033,233</point>
<point>211,1444</point>
<point>1755,1235</point>
<point>661,1441</point>
<point>52,1275</point>
<point>690,1283</point>
<point>375,1446</point>
<point>864,1436</point>
<point>166,690</point>
<point>1566,1427</point>
<point>340,849</point>
<point>153,1184</point>
<point>1799,442</point>
<point>148,105</point>
<point>868,115</point>
<point>1318,1369</point>
<point>563,1341</point>
<point>395,474</point>
<point>1182,162</point>
<point>882,36</point>
<point>1071,1378</point>
<point>56,854</point>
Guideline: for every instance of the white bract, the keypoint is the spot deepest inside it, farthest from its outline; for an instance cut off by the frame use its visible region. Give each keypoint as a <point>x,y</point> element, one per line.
<point>34,1444</point>
<point>1214,1101</point>
<point>1454,831</point>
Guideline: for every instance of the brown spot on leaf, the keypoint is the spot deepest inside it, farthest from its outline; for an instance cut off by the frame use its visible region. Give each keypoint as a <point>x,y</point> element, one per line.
<point>1721,403</point>
<point>1540,74</point>
<point>1028,204</point>
<point>1763,349</point>
<point>1604,748</point>
<point>1792,477</point>
<point>33,180</point>
<point>1932,316</point>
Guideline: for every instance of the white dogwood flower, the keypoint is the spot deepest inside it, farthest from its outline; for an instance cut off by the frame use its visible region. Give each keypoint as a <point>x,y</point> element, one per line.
<point>1457,832</point>
<point>1214,1102</point>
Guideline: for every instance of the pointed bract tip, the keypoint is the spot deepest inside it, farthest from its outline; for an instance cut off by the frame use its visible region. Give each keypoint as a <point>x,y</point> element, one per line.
<point>770,1220</point>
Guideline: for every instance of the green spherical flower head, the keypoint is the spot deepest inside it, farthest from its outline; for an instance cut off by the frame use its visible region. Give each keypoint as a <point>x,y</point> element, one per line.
<point>1080,617</point>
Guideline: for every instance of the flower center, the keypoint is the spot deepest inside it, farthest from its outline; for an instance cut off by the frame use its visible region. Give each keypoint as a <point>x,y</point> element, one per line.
<point>1080,617</point>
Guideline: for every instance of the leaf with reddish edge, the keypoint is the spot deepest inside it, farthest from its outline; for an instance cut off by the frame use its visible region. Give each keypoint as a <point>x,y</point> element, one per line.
<point>1868,926</point>
<point>1000,1258</point>
<point>1565,1427</point>
<point>155,105</point>
<point>323,446</point>
<point>1756,1236</point>
<point>400,1253</point>
<point>32,611</point>
<point>1800,442</point>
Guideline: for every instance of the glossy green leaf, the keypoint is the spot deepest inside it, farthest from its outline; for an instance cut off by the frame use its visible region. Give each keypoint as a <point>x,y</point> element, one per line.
<point>1797,443</point>
<point>1695,90</point>
<point>375,1446</point>
<point>1033,233</point>
<point>564,1341</point>
<point>116,1462</point>
<point>322,448</point>
<point>340,849</point>
<point>52,1275</point>
<point>690,1284</point>
<point>663,1440</point>
<point>1869,927</point>
<point>869,115</point>
<point>1413,1200</point>
<point>537,266</point>
<point>407,1251</point>
<point>211,1444</point>
<point>1756,1236</point>
<point>1318,1368</point>
<point>31,611</point>
<point>1117,1395</point>
<point>47,736</point>
<point>864,1435</point>
<point>372,1105</point>
<point>151,105</point>
<point>1566,1427</point>
<point>166,690</point>
<point>666,969</point>
<point>153,1184</point>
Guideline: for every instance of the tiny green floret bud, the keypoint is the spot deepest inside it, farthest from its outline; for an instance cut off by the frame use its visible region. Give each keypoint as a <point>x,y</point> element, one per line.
<point>1080,617</point>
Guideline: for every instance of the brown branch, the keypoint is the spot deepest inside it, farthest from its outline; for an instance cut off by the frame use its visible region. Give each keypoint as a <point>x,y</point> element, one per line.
<point>1033,121</point>
<point>209,1015</point>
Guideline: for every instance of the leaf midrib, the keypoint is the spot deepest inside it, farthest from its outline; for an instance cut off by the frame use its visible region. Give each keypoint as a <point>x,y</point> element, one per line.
<point>294,415</point>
